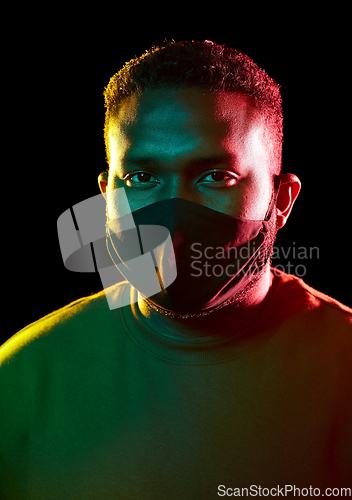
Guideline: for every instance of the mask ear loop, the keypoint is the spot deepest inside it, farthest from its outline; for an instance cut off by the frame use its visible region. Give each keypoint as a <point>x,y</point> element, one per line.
<point>277,182</point>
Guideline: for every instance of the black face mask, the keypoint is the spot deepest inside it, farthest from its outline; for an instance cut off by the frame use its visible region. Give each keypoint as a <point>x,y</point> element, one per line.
<point>213,256</point>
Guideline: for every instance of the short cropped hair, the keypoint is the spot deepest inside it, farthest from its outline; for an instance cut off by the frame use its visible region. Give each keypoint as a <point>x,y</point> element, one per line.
<point>204,64</point>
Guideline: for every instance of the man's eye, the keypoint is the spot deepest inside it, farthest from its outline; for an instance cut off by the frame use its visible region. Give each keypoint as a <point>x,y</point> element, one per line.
<point>140,179</point>
<point>221,178</point>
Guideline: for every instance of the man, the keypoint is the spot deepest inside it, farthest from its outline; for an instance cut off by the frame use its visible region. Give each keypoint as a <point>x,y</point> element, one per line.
<point>233,380</point>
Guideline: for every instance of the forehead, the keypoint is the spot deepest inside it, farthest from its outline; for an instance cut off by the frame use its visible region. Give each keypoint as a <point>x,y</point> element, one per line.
<point>185,100</point>
<point>189,109</point>
<point>177,121</point>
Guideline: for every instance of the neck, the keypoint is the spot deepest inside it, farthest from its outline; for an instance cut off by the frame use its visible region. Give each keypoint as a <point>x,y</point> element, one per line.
<point>225,321</point>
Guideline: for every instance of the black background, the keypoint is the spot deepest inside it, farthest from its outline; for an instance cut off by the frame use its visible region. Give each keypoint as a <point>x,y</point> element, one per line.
<point>56,71</point>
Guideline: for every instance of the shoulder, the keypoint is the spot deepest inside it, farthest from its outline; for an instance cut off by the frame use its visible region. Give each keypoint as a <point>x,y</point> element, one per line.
<point>72,325</point>
<point>309,299</point>
<point>313,320</point>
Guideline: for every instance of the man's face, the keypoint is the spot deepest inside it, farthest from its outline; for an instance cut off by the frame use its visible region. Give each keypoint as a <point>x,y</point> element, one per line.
<point>190,144</point>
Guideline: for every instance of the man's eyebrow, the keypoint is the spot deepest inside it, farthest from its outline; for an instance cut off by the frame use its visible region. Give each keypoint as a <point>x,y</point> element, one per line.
<point>140,162</point>
<point>213,160</point>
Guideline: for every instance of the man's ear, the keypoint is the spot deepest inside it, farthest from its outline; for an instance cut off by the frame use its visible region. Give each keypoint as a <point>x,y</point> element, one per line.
<point>103,183</point>
<point>289,189</point>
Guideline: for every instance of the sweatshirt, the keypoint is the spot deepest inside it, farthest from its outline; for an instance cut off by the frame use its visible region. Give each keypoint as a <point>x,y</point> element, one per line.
<point>94,404</point>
